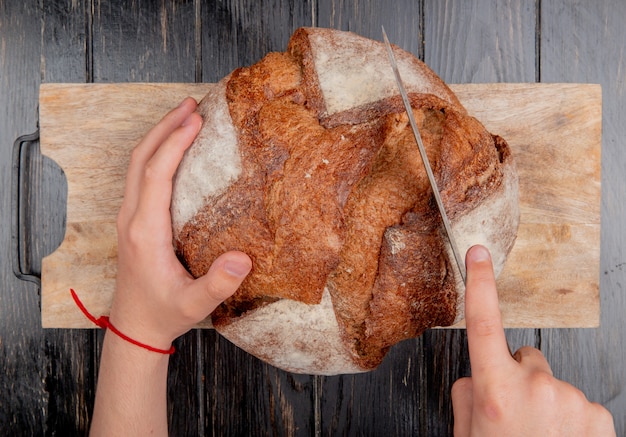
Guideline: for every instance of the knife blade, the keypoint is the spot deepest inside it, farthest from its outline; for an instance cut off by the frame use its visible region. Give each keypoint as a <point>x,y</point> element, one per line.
<point>431,177</point>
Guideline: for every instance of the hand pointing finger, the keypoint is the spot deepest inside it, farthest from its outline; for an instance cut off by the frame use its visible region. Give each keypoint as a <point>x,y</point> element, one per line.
<point>488,348</point>
<point>512,396</point>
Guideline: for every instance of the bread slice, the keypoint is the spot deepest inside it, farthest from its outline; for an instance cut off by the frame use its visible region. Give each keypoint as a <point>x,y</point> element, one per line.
<point>306,161</point>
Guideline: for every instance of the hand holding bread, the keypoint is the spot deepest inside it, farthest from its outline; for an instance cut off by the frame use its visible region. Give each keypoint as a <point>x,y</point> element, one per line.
<point>513,395</point>
<point>156,299</point>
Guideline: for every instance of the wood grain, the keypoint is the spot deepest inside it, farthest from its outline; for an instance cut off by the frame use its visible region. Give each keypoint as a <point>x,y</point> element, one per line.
<point>45,380</point>
<point>550,280</point>
<point>96,179</point>
<point>555,261</point>
<point>239,33</point>
<point>403,24</point>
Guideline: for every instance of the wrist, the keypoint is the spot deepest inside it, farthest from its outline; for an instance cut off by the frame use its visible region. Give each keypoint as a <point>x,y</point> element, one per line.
<point>133,340</point>
<point>134,331</point>
<point>125,345</point>
<point>132,389</point>
<point>106,323</point>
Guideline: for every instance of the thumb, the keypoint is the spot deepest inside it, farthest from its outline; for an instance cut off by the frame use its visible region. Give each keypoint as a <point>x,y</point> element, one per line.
<point>221,281</point>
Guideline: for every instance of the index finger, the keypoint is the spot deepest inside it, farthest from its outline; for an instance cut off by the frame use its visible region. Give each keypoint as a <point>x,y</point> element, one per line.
<point>488,349</point>
<point>151,142</point>
<point>155,191</point>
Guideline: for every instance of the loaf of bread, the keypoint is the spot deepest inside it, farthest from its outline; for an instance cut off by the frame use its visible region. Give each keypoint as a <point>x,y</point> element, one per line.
<point>306,162</point>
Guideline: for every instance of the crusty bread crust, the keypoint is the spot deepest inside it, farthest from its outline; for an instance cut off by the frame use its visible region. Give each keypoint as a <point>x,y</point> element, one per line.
<point>324,188</point>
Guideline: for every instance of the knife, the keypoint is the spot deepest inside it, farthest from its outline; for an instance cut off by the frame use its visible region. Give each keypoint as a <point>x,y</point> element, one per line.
<point>431,177</point>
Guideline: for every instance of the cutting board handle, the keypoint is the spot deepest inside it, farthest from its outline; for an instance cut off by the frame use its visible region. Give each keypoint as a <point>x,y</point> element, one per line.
<point>20,229</point>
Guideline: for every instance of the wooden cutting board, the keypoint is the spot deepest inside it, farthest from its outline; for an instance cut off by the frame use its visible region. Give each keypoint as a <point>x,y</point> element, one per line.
<point>551,278</point>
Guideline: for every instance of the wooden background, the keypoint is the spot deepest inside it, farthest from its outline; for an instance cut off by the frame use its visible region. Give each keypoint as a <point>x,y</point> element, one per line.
<point>48,377</point>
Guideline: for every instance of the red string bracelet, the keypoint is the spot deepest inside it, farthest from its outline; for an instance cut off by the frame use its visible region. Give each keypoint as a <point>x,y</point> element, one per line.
<point>104,323</point>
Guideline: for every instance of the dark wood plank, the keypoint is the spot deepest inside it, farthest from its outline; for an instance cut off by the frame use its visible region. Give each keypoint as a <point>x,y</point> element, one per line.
<point>481,41</point>
<point>144,41</point>
<point>584,42</point>
<point>66,27</point>
<point>403,20</point>
<point>23,394</point>
<point>245,396</point>
<point>472,42</point>
<point>236,34</point>
<point>71,355</point>
<point>385,401</point>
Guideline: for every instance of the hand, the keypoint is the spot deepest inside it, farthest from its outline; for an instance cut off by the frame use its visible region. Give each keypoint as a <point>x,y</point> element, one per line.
<point>156,299</point>
<point>513,395</point>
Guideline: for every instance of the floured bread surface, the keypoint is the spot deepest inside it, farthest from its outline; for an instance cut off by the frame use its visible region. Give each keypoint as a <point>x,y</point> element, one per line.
<point>348,82</point>
<point>307,162</point>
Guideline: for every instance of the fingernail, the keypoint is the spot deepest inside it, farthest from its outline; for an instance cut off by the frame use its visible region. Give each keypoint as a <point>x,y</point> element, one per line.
<point>479,253</point>
<point>237,268</point>
<point>183,102</point>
